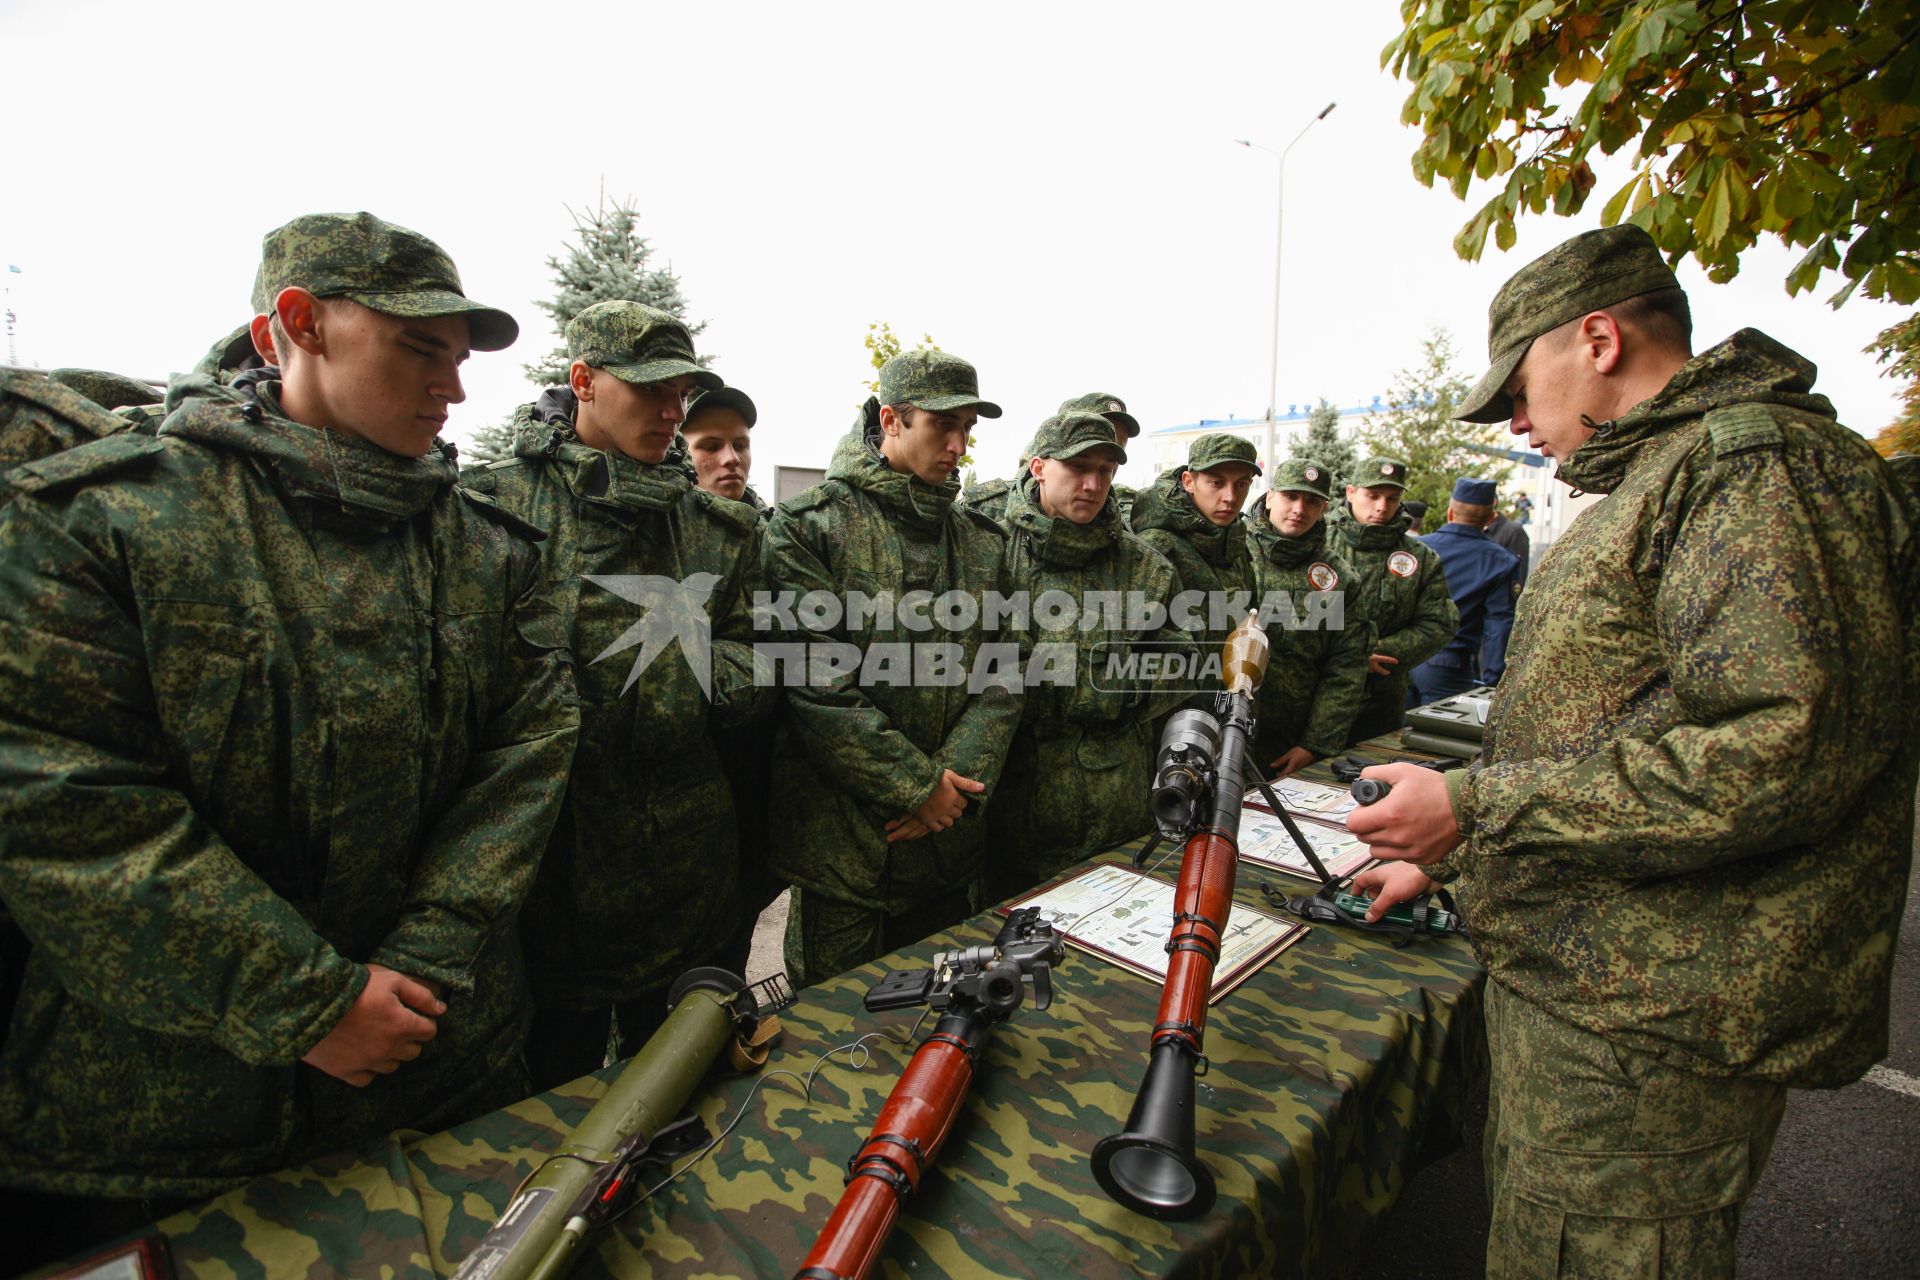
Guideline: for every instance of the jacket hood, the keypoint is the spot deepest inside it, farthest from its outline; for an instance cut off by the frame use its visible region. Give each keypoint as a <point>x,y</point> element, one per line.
<point>858,462</point>
<point>1288,552</point>
<point>1748,368</point>
<point>310,462</point>
<point>599,476</point>
<point>1060,542</point>
<point>1366,537</point>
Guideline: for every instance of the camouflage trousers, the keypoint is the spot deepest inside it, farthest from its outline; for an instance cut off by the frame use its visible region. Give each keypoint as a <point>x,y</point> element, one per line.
<point>827,936</point>
<point>1603,1162</point>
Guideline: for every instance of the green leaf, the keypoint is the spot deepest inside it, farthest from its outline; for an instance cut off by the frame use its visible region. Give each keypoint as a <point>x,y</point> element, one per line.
<point>1611,211</point>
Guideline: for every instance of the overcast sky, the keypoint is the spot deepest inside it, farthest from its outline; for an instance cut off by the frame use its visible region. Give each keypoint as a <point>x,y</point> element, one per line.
<point>1050,190</point>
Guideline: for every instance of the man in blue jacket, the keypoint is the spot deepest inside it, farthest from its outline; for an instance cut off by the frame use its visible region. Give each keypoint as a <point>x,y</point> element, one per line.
<point>1480,575</point>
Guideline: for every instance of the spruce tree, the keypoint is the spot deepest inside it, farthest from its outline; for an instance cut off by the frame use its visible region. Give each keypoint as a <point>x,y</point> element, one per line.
<point>1418,427</point>
<point>1324,444</point>
<point>609,260</point>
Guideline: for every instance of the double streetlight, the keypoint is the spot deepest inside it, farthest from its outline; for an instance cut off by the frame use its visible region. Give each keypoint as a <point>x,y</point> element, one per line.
<point>1279,212</point>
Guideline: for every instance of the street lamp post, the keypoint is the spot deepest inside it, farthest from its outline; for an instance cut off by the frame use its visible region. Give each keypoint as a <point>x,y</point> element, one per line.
<point>1279,212</point>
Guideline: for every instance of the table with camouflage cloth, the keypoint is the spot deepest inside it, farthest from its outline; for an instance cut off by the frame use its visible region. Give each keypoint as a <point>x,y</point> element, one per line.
<point>1336,1072</point>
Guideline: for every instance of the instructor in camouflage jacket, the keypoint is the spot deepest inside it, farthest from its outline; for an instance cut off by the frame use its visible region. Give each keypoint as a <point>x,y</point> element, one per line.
<point>1398,586</point>
<point>640,880</point>
<point>280,715</point>
<point>1079,775</point>
<point>1687,841</point>
<point>878,777</point>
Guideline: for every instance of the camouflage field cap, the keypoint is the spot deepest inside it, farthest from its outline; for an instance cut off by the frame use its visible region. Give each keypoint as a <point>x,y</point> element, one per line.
<point>260,301</point>
<point>1209,452</point>
<point>1068,435</point>
<point>720,398</point>
<point>1588,272</point>
<point>1380,473</point>
<point>1110,407</point>
<point>386,268</point>
<point>1303,475</point>
<point>108,390</point>
<point>636,343</point>
<point>933,380</point>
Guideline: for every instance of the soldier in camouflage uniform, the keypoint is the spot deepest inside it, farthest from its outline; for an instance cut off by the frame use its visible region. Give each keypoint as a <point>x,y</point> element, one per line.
<point>1687,838</point>
<point>639,883</point>
<point>990,497</point>
<point>1316,672</point>
<point>877,784</point>
<point>1079,773</point>
<point>280,714</point>
<point>718,437</point>
<point>717,443</point>
<point>1191,515</point>
<point>1399,587</point>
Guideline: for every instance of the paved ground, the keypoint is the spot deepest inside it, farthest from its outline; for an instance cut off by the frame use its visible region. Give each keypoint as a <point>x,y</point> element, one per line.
<point>1840,1200</point>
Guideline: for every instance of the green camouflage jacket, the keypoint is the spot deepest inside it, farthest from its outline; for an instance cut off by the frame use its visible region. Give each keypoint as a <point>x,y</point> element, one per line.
<point>39,418</point>
<point>1079,773</point>
<point>1693,829</point>
<point>638,883</point>
<point>853,755</point>
<point>273,704</point>
<point>1210,562</point>
<point>1316,671</point>
<point>989,498</point>
<point>1402,590</point>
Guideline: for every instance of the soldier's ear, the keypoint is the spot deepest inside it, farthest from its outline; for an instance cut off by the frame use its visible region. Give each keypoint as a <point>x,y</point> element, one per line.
<point>1600,341</point>
<point>1186,481</point>
<point>580,378</point>
<point>299,315</point>
<point>261,330</point>
<point>1036,466</point>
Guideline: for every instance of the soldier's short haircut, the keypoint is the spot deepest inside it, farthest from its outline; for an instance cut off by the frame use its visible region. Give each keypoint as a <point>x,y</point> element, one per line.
<point>901,411</point>
<point>1662,316</point>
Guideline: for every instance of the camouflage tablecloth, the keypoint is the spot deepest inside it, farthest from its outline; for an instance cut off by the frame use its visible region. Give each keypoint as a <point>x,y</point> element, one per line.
<point>1335,1073</point>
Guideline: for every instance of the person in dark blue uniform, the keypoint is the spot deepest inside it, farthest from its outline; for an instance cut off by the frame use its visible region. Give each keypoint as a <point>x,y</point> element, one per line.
<point>1480,577</point>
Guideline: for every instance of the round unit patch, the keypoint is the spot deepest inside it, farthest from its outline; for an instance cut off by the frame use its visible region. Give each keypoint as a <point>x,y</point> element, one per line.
<point>1401,564</point>
<point>1322,576</point>
<point>1114,406</point>
<point>1386,468</point>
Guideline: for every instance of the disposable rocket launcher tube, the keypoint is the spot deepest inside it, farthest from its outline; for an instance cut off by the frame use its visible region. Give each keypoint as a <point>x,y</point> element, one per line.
<point>1151,1167</point>
<point>589,1176</point>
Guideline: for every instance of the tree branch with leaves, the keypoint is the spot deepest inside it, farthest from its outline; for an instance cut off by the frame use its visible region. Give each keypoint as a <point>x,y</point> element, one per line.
<point>1789,118</point>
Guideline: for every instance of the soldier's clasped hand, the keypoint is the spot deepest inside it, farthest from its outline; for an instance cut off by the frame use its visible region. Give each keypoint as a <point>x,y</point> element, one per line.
<point>388,1025</point>
<point>940,811</point>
